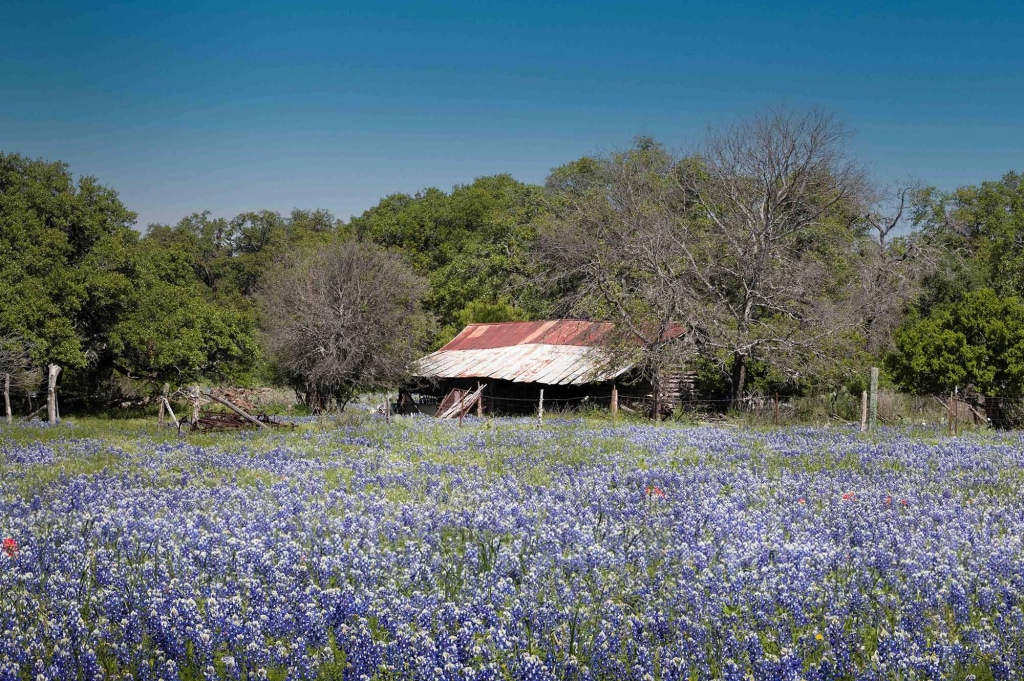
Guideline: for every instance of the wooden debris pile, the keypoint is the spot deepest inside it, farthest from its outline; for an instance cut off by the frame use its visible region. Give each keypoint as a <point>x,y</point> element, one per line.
<point>458,403</point>
<point>208,420</point>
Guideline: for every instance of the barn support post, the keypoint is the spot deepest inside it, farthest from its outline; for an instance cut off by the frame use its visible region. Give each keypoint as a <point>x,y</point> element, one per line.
<point>540,409</point>
<point>657,399</point>
<point>479,401</point>
<point>51,393</point>
<point>615,402</point>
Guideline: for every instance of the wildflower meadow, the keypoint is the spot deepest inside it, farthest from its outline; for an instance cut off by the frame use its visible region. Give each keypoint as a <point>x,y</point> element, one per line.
<point>417,549</point>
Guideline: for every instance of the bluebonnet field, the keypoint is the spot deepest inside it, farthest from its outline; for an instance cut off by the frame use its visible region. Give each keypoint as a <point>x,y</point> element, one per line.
<point>501,551</point>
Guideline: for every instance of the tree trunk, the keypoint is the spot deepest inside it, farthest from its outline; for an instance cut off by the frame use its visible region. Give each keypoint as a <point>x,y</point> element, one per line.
<point>739,380</point>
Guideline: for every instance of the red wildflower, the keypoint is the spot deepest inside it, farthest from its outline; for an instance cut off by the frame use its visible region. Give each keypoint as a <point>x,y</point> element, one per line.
<point>10,547</point>
<point>849,496</point>
<point>655,492</point>
<point>903,501</point>
<point>801,500</point>
<point>888,500</point>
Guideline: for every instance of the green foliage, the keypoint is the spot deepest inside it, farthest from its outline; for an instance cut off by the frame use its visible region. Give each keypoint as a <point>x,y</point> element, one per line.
<point>981,229</point>
<point>180,335</point>
<point>68,267</point>
<point>977,341</point>
<point>471,244</point>
<point>84,291</point>
<point>482,312</point>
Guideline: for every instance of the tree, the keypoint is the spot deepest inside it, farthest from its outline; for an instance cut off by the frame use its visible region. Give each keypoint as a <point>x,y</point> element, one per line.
<point>67,261</point>
<point>754,245</point>
<point>81,289</point>
<point>775,199</point>
<point>472,244</point>
<point>176,333</point>
<point>607,248</point>
<point>344,319</point>
<point>975,344</point>
<point>16,363</point>
<point>980,230</point>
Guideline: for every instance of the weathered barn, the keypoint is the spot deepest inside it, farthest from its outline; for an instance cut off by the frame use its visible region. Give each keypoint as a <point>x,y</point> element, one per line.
<point>516,360</point>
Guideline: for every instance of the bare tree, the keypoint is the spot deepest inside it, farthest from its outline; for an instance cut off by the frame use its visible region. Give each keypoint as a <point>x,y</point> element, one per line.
<point>754,244</point>
<point>344,319</point>
<point>774,199</point>
<point>16,371</point>
<point>893,264</point>
<point>605,250</point>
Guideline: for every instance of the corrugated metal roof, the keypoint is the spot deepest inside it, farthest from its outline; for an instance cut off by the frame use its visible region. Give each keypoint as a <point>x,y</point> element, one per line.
<point>558,352</point>
<point>554,332</point>
<point>531,363</point>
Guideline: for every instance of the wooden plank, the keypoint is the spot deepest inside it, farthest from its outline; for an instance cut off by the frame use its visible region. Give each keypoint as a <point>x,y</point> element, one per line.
<point>170,411</point>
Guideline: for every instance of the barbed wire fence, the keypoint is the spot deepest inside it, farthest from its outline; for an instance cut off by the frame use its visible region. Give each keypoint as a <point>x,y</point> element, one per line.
<point>956,411</point>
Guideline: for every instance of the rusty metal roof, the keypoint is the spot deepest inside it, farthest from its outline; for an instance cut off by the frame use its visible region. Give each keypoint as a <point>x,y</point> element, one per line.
<point>559,352</point>
<point>555,332</point>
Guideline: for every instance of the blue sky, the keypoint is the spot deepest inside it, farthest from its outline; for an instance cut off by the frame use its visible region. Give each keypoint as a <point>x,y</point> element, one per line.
<point>239,106</point>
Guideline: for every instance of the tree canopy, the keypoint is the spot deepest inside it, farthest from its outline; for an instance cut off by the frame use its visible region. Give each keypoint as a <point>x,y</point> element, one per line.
<point>788,268</point>
<point>472,244</point>
<point>343,319</point>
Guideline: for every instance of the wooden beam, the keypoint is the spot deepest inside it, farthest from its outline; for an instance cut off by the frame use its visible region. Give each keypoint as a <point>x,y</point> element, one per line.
<point>171,412</point>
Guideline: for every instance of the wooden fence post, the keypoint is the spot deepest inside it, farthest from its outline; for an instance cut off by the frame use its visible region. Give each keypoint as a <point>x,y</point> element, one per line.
<point>195,396</point>
<point>51,393</point>
<point>956,411</point>
<point>873,401</point>
<point>776,409</point>
<point>163,401</point>
<point>949,414</point>
<point>7,396</point>
<point>540,409</point>
<point>615,402</point>
<point>864,411</point>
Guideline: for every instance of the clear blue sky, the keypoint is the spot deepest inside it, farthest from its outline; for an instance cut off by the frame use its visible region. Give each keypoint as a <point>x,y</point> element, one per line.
<point>246,105</point>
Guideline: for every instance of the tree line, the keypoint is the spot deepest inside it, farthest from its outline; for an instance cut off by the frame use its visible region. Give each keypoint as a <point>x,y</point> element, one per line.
<point>788,267</point>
